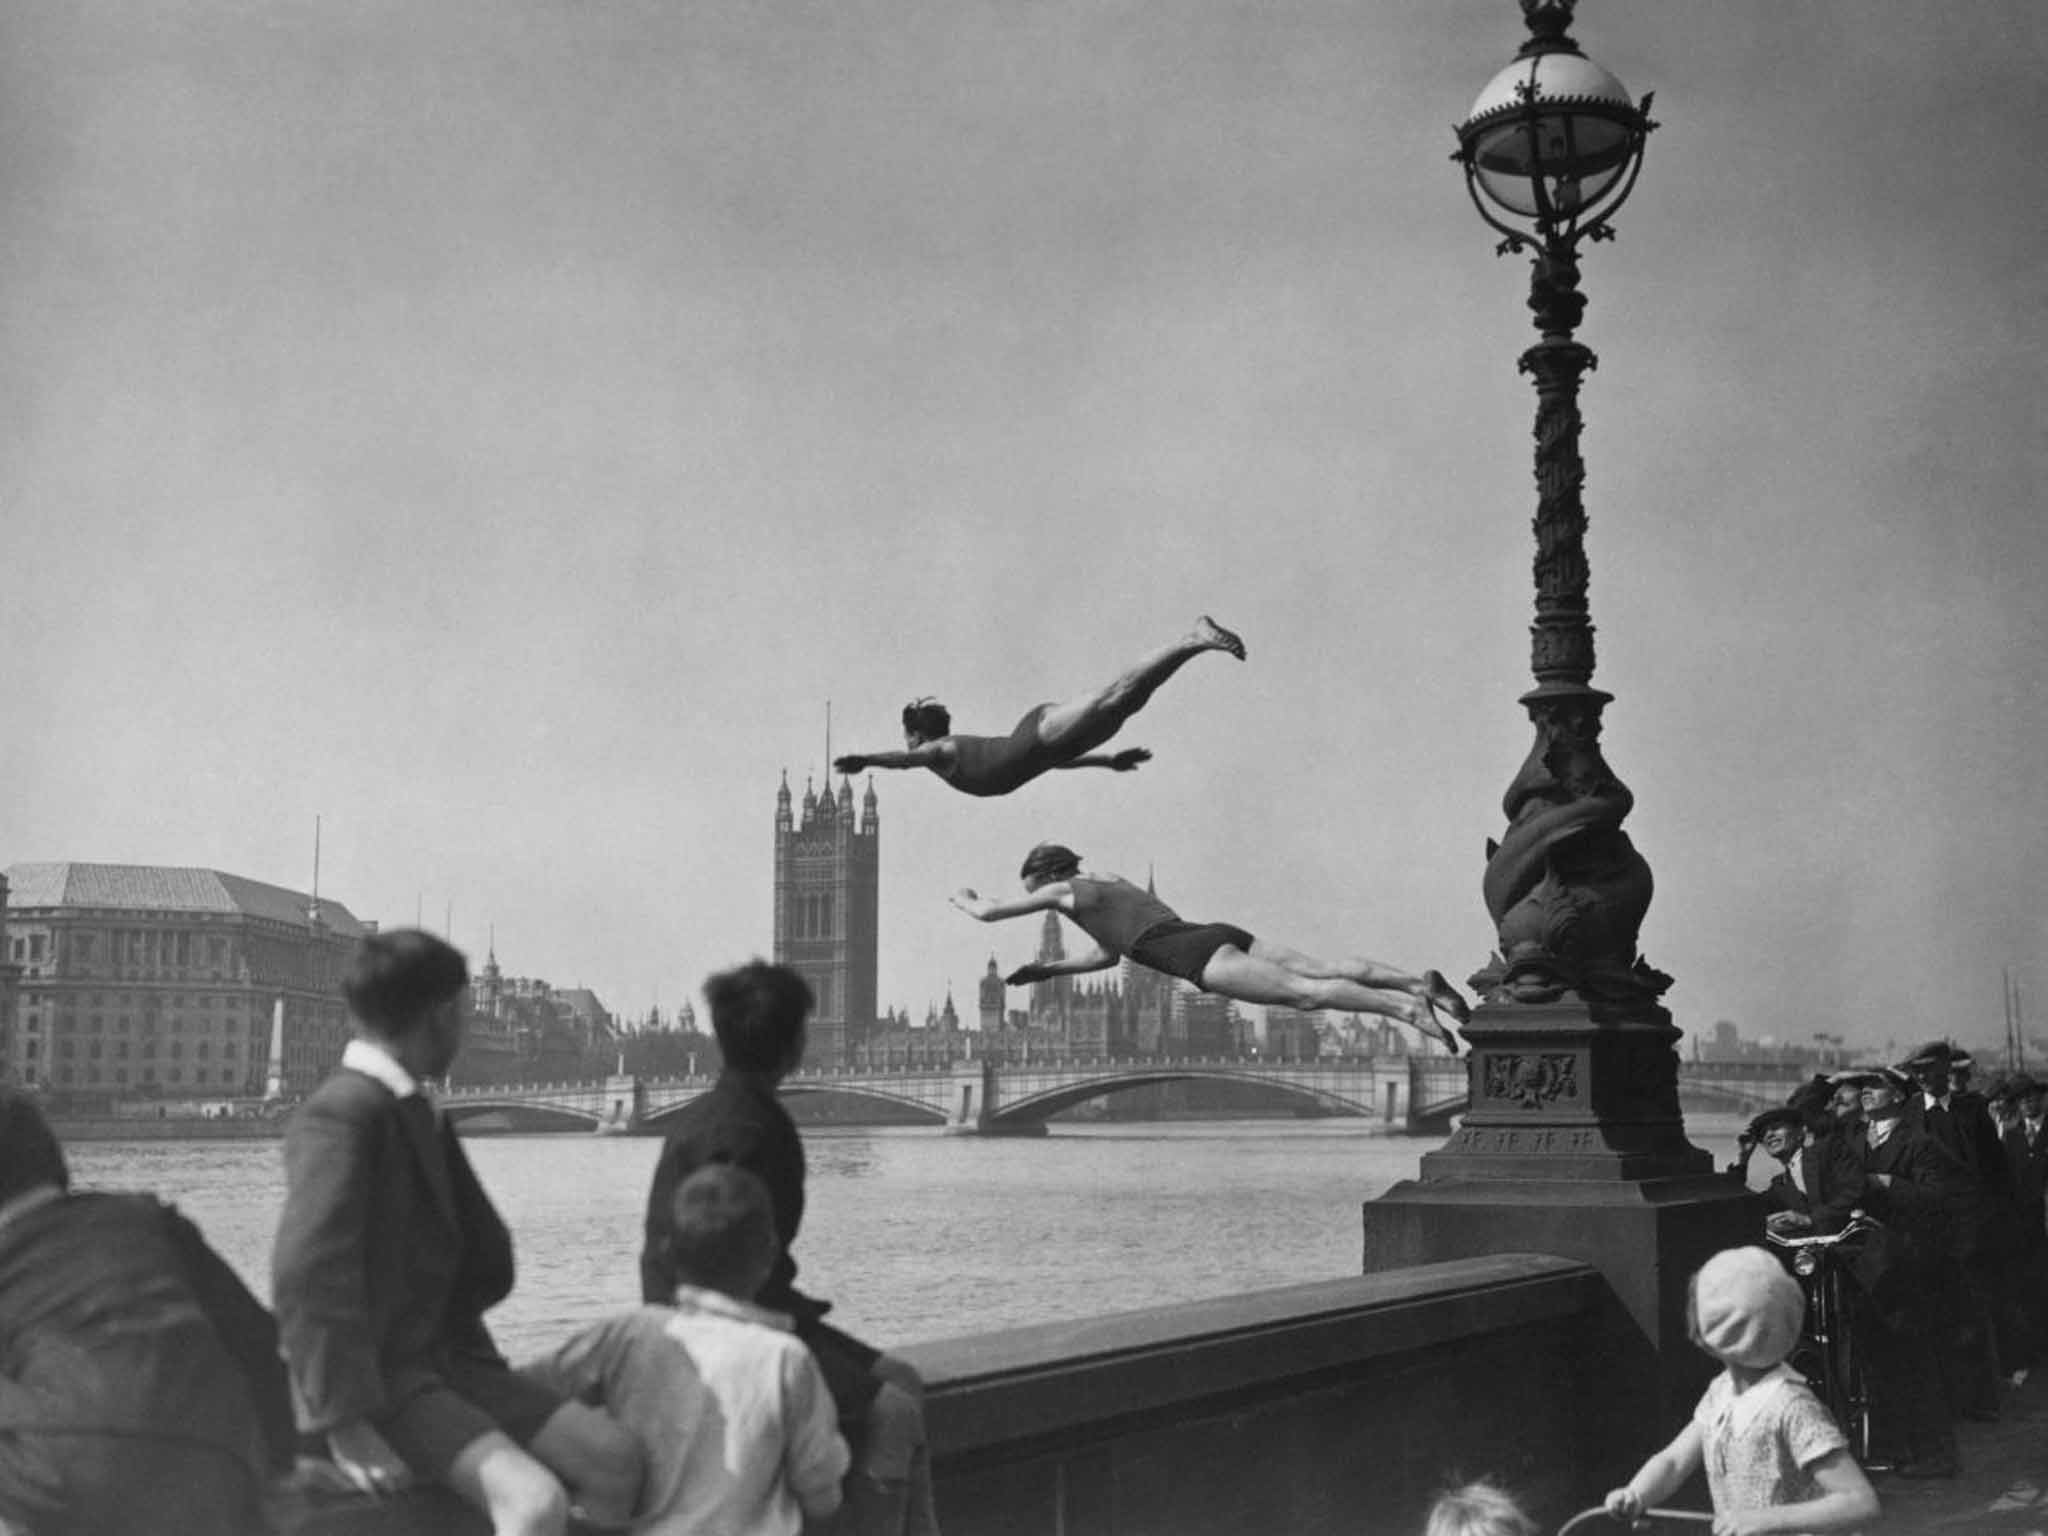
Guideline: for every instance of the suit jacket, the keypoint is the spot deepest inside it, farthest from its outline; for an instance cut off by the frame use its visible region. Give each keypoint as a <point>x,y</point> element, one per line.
<point>1832,1169</point>
<point>2027,1164</point>
<point>1982,1208</point>
<point>388,1252</point>
<point>118,1339</point>
<point>1966,1128</point>
<point>739,1121</point>
<point>1928,1187</point>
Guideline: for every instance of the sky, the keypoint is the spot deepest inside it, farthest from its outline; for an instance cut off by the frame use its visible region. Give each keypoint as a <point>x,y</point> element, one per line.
<point>499,429</point>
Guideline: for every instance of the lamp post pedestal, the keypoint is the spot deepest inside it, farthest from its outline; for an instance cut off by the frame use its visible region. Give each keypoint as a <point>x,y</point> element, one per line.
<point>1574,1146</point>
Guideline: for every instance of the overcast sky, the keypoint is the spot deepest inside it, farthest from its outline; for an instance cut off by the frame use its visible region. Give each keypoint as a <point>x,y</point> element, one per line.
<point>499,428</point>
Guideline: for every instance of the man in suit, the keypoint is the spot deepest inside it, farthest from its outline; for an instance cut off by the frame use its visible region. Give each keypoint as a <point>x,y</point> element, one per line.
<point>388,1254</point>
<point>1912,1185</point>
<point>2025,1144</point>
<point>1982,1221</point>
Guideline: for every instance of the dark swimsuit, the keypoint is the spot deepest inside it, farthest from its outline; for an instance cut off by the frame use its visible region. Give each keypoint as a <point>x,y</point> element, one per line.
<point>995,765</point>
<point>1185,949</point>
<point>1145,930</point>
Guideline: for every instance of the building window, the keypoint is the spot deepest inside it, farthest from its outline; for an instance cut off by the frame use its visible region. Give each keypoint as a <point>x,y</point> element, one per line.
<point>121,1050</point>
<point>120,1077</point>
<point>35,946</point>
<point>184,949</point>
<point>63,1074</point>
<point>93,1050</point>
<point>81,948</point>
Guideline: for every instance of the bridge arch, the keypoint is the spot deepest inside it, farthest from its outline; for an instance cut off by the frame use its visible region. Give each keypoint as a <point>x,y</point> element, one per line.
<point>520,1114</point>
<point>1037,1107</point>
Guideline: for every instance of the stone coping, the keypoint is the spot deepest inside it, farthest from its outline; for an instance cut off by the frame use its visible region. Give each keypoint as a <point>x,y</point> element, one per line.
<point>1001,1391</point>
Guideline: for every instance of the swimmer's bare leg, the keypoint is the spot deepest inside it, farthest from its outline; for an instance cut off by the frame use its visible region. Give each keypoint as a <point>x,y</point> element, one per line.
<point>1430,986</point>
<point>1267,974</point>
<point>1084,723</point>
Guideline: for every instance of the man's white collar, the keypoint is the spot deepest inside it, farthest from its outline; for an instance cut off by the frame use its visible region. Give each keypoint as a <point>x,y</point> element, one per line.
<point>373,1060</point>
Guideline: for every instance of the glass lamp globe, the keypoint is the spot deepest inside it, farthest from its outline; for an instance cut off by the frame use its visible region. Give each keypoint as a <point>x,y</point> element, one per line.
<point>1550,137</point>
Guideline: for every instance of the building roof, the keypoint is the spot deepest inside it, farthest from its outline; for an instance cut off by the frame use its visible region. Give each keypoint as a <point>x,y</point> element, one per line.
<point>161,888</point>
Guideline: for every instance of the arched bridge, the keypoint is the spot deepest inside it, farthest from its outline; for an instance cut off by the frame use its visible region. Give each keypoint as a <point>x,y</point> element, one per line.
<point>996,1098</point>
<point>1421,1094</point>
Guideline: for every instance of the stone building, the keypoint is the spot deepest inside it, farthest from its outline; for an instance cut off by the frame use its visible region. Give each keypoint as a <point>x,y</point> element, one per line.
<point>10,973</point>
<point>827,906</point>
<point>144,980</point>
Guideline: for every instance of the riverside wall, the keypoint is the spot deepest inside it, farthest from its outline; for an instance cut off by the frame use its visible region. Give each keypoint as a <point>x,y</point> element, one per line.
<point>1338,1407</point>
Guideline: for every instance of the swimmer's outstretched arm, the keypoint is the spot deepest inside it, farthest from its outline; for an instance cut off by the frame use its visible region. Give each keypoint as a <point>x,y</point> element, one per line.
<point>1097,959</point>
<point>1116,762</point>
<point>926,754</point>
<point>1053,896</point>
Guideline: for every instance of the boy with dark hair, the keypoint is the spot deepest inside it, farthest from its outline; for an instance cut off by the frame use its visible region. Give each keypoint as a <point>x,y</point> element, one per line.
<point>758,1013</point>
<point>735,1414</point>
<point>139,1383</point>
<point>389,1253</point>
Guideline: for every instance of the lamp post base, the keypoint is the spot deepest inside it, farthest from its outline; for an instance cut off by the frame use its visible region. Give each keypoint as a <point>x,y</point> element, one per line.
<point>1574,1145</point>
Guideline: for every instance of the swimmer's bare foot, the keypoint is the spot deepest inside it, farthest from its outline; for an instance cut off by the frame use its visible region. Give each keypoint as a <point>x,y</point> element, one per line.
<point>1217,638</point>
<point>1437,1027</point>
<point>1444,996</point>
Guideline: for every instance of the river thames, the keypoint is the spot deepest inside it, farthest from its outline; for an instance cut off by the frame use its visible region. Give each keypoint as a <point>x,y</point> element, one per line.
<point>914,1235</point>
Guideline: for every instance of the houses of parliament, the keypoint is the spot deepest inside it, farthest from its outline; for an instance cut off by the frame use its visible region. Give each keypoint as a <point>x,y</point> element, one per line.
<point>827,908</point>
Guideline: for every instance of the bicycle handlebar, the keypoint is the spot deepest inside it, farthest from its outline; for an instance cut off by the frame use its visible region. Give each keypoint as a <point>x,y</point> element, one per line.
<point>1858,1225</point>
<point>1599,1511</point>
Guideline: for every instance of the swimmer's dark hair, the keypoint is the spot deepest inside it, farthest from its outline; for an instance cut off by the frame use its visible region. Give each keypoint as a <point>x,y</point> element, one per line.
<point>396,979</point>
<point>927,718</point>
<point>757,1013</point>
<point>1050,861</point>
<point>721,1230</point>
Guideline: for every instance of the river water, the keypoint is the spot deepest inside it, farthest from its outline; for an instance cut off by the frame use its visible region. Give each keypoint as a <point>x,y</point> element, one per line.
<point>913,1234</point>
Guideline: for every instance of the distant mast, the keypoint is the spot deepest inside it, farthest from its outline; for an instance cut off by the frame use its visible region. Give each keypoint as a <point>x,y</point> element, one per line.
<point>313,905</point>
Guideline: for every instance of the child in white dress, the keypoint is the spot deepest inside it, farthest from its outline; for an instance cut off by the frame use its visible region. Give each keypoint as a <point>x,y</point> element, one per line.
<point>1774,1456</point>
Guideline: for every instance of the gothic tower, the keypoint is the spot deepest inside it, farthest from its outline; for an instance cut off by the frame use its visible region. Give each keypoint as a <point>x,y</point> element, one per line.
<point>827,904</point>
<point>992,1002</point>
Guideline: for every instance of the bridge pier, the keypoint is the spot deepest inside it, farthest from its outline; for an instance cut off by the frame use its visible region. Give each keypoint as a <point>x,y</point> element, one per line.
<point>625,1106</point>
<point>975,1097</point>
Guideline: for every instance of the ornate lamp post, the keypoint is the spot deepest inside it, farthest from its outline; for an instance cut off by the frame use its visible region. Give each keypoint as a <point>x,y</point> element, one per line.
<point>1573,1143</point>
<point>1551,151</point>
<point>1572,1048</point>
